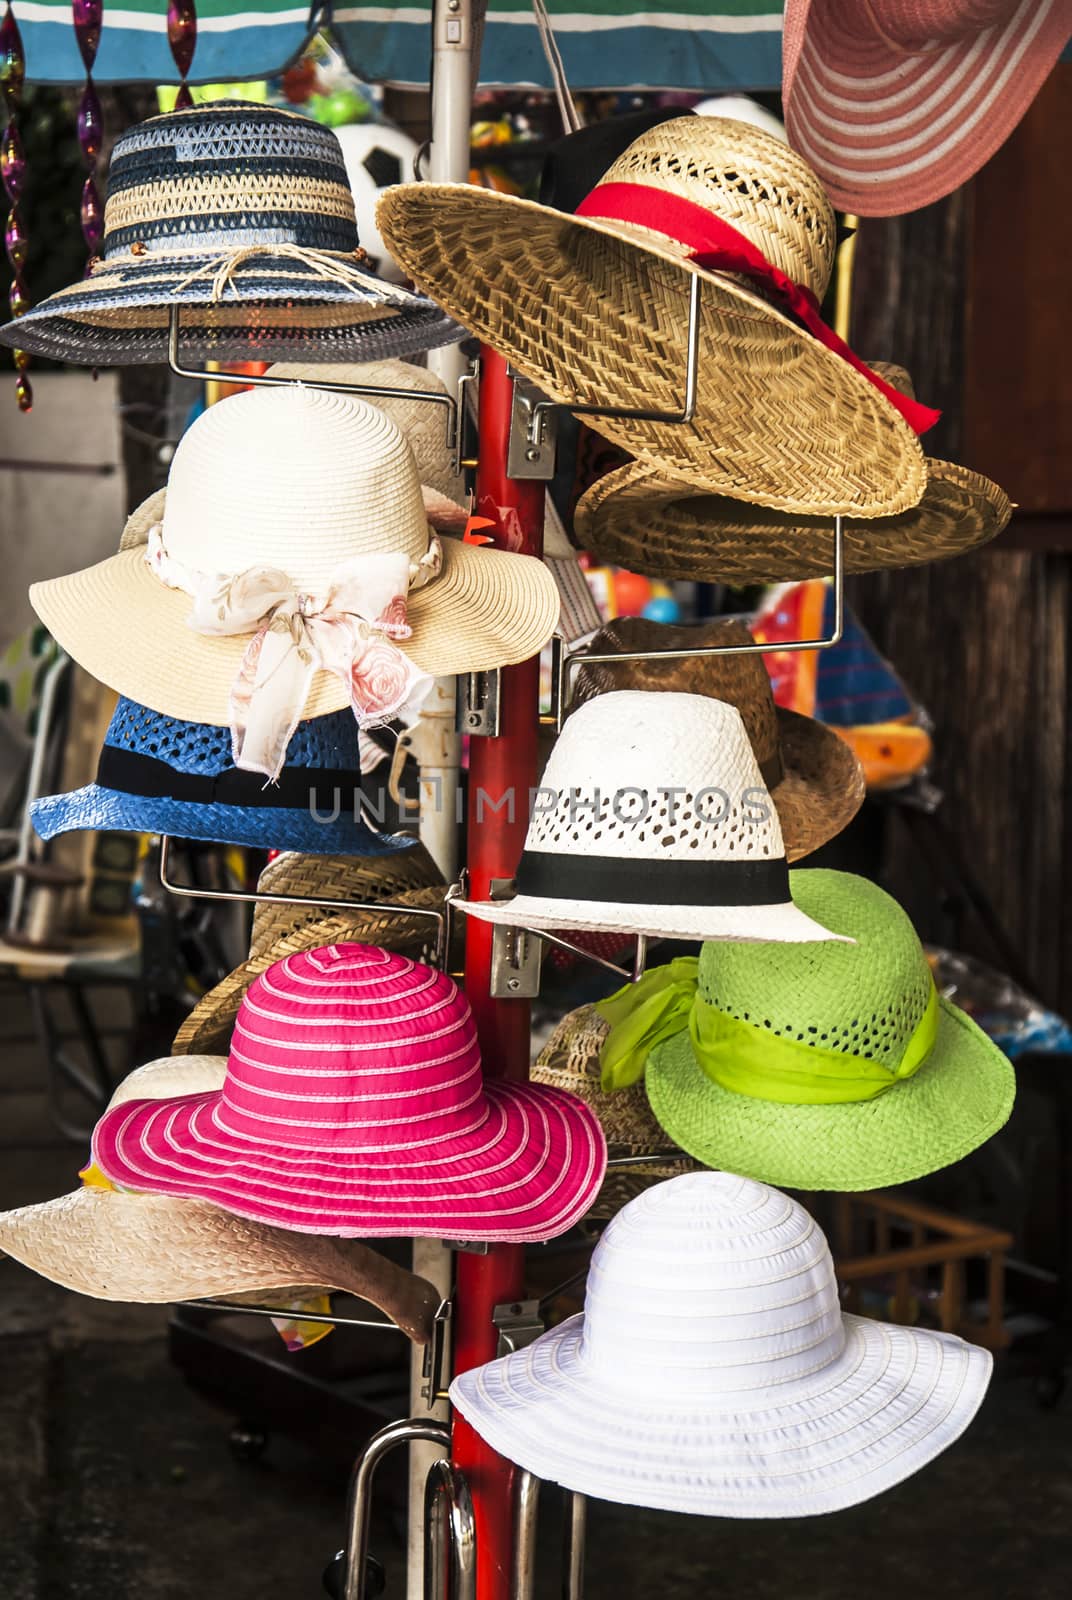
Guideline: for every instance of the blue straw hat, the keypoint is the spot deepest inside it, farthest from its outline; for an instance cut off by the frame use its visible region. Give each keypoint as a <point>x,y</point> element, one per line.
<point>159,775</point>
<point>243,216</point>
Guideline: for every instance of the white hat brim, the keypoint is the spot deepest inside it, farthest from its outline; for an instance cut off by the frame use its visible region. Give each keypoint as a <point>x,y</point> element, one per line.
<point>894,1400</point>
<point>488,608</point>
<point>777,924</point>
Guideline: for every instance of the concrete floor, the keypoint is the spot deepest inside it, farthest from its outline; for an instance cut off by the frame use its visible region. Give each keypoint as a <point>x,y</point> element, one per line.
<point>116,1481</point>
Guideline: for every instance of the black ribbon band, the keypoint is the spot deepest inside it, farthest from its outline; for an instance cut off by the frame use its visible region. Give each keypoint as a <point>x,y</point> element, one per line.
<point>646,882</point>
<point>298,788</point>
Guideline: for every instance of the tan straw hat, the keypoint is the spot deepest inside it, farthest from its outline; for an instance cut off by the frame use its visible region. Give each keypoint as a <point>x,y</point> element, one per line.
<point>593,308</point>
<point>640,518</point>
<point>813,777</point>
<point>410,878</point>
<point>308,503</point>
<point>570,1061</point>
<point>115,1245</point>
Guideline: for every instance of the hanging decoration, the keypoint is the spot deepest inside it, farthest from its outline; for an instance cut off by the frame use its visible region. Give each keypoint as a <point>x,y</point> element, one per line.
<point>13,172</point>
<point>87,29</point>
<point>182,37</point>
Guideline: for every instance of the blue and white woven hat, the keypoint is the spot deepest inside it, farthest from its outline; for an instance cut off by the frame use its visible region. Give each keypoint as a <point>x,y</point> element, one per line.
<point>241,215</point>
<point>159,775</point>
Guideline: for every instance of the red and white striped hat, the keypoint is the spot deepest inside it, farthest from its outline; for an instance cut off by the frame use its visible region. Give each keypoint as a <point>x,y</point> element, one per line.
<point>352,1103</point>
<point>896,103</point>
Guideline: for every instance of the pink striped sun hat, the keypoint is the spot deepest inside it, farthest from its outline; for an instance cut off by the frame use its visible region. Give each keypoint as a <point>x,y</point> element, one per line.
<point>353,1104</point>
<point>896,103</point>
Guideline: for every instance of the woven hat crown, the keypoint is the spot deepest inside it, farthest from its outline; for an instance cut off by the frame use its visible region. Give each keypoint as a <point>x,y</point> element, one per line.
<point>375,879</point>
<point>747,178</point>
<point>293,478</point>
<point>322,743</point>
<point>663,777</point>
<point>350,1047</point>
<point>219,177</point>
<point>864,999</point>
<point>710,1285</point>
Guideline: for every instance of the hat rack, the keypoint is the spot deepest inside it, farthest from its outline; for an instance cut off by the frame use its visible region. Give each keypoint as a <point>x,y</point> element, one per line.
<point>563,661</point>
<point>452,404</point>
<point>189,891</point>
<point>574,1524</point>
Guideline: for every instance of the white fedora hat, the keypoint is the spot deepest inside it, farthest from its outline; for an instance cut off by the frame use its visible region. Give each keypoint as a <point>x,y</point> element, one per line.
<point>713,1371</point>
<point>652,817</point>
<point>293,572</point>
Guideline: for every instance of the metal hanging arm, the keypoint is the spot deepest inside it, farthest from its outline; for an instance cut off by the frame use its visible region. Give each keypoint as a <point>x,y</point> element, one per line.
<point>563,662</point>
<point>257,897</point>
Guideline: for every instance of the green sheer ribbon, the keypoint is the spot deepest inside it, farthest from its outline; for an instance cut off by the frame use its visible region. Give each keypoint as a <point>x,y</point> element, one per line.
<point>744,1057</point>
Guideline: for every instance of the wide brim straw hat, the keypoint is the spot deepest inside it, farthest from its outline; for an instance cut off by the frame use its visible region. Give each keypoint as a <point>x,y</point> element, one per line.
<point>596,311</point>
<point>242,217</point>
<point>897,104</point>
<point>640,518</point>
<point>347,1152</point>
<point>607,855</point>
<point>813,777</point>
<point>410,879</point>
<point>158,1249</point>
<point>713,1372</point>
<point>160,774</point>
<point>957,1099</point>
<point>639,1152</point>
<point>263,463</point>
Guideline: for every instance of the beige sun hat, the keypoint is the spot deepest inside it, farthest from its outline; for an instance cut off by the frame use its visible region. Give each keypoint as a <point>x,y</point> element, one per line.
<point>309,484</point>
<point>640,1152</point>
<point>409,879</point>
<point>640,518</point>
<point>594,310</point>
<point>115,1245</point>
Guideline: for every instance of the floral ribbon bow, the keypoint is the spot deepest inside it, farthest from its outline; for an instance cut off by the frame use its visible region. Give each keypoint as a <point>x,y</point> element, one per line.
<point>350,629</point>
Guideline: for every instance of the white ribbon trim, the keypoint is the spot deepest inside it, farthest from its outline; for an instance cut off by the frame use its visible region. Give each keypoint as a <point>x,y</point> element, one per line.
<point>352,628</point>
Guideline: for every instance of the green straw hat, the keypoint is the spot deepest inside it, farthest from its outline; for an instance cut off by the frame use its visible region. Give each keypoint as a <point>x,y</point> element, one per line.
<point>833,1066</point>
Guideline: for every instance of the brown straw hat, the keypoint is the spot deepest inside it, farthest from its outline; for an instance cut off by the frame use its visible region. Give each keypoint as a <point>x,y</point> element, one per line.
<point>410,878</point>
<point>638,517</point>
<point>570,1060</point>
<point>813,777</point>
<point>595,310</point>
<point>157,1249</point>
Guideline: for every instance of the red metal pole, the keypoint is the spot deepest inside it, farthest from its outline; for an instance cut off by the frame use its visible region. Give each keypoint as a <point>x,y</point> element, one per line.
<point>501,773</point>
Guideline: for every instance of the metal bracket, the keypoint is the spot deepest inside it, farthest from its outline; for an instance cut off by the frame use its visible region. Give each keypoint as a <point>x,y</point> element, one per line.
<point>479,698</point>
<point>188,891</point>
<point>519,1323</point>
<point>533,439</point>
<point>516,957</point>
<point>434,1355</point>
<point>563,662</point>
<point>373,390</point>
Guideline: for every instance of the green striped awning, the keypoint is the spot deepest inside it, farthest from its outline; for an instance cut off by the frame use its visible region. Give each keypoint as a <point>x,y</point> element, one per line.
<point>707,45</point>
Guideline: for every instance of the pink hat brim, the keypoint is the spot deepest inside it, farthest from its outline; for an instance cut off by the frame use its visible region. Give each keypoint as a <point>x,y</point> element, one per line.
<point>890,129</point>
<point>527,1170</point>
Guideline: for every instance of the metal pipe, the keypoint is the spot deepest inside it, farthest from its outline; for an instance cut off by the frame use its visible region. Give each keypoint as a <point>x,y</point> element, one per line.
<point>450,1535</point>
<point>359,1515</point>
<point>331,1318</point>
<point>573,1541</point>
<point>527,1505</point>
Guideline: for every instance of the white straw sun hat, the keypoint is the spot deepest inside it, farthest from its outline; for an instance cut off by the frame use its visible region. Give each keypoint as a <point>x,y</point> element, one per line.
<point>713,1371</point>
<point>652,817</point>
<point>289,571</point>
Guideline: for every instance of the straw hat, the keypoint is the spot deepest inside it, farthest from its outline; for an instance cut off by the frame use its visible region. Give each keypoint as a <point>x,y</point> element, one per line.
<point>713,1371</point>
<point>423,423</point>
<point>317,492</point>
<point>832,1069</point>
<point>352,1104</point>
<point>242,215</point>
<point>570,1061</point>
<point>114,1245</point>
<point>159,775</point>
<point>411,879</point>
<point>898,102</point>
<point>652,817</point>
<point>813,777</point>
<point>638,517</point>
<point>593,308</point>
